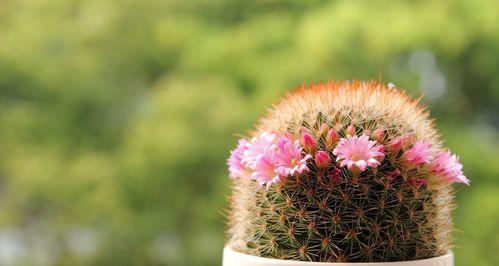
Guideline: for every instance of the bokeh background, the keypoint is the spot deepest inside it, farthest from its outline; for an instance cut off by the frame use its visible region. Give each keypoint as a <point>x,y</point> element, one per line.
<point>116,117</point>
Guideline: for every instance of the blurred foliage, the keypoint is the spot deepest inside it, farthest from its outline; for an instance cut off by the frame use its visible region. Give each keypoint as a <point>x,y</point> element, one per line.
<point>116,116</point>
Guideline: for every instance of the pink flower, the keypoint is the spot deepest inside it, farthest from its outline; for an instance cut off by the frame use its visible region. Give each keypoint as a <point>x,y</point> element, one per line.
<point>236,167</point>
<point>288,158</point>
<point>258,146</point>
<point>358,152</point>
<point>264,170</point>
<point>309,142</point>
<point>269,158</point>
<point>448,167</point>
<point>420,153</point>
<point>322,159</point>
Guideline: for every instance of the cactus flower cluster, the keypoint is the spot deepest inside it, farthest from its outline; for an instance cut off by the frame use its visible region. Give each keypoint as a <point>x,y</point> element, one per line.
<point>349,171</point>
<point>269,158</point>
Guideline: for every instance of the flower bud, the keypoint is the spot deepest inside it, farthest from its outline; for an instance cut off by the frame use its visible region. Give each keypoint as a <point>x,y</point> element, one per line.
<point>399,142</point>
<point>323,129</point>
<point>418,182</point>
<point>394,174</point>
<point>308,142</point>
<point>331,139</point>
<point>322,159</point>
<point>350,130</point>
<point>379,135</point>
<point>334,175</point>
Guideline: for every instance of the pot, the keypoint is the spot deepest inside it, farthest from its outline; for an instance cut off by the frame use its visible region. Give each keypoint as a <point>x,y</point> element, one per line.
<point>234,258</point>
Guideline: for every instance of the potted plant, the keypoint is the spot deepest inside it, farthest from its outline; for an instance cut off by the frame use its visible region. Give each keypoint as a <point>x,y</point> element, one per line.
<point>341,173</point>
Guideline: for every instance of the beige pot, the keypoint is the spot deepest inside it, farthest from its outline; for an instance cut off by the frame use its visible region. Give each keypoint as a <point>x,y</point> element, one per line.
<point>234,258</point>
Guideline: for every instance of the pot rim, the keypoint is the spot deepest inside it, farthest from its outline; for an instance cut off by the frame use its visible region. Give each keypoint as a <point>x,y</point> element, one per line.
<point>235,258</point>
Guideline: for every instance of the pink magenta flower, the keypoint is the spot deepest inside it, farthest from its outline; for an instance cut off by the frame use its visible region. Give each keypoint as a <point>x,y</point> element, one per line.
<point>322,159</point>
<point>288,158</point>
<point>264,170</point>
<point>236,166</point>
<point>420,153</point>
<point>257,147</point>
<point>269,158</point>
<point>448,167</point>
<point>358,152</point>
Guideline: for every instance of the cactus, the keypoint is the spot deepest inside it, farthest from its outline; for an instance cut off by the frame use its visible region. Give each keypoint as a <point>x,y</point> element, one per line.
<point>343,172</point>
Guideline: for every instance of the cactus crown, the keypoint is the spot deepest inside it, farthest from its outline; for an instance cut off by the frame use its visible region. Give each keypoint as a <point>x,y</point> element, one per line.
<point>350,171</point>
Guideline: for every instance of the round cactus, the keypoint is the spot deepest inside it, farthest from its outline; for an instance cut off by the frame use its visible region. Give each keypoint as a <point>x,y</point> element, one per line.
<point>343,172</point>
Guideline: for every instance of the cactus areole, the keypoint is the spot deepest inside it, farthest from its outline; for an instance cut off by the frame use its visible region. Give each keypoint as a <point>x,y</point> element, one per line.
<point>343,172</point>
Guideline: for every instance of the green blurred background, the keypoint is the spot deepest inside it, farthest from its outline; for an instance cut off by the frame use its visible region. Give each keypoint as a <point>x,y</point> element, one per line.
<point>116,117</point>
